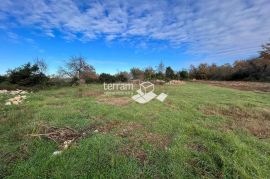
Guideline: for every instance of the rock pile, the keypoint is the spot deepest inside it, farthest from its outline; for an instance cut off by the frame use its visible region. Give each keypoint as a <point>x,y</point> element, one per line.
<point>176,82</point>
<point>20,96</point>
<point>158,82</point>
<point>14,92</point>
<point>16,100</point>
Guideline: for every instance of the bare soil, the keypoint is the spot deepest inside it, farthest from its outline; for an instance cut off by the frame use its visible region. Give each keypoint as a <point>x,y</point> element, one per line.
<point>240,85</point>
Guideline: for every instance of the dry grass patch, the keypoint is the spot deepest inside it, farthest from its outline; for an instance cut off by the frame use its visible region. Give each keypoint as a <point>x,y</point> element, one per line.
<point>116,101</point>
<point>256,122</point>
<point>91,93</point>
<point>241,85</point>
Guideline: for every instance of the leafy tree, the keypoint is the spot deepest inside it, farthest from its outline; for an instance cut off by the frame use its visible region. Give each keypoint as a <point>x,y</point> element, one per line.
<point>3,78</point>
<point>122,76</point>
<point>192,71</point>
<point>202,71</point>
<point>184,74</point>
<point>169,73</point>
<point>106,78</point>
<point>27,75</point>
<point>149,73</point>
<point>212,71</point>
<point>265,53</point>
<point>137,73</point>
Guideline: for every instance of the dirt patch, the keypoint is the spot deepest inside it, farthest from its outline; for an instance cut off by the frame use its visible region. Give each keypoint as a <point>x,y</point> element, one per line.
<point>116,101</point>
<point>197,147</point>
<point>240,85</point>
<point>135,151</point>
<point>135,134</point>
<point>256,122</point>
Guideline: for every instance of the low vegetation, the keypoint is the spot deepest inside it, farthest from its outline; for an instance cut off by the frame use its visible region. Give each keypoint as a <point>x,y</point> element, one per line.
<point>200,131</point>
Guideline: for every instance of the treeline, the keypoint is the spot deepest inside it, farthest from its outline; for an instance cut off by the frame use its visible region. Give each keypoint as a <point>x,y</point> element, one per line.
<point>80,72</point>
<point>76,71</point>
<point>256,69</point>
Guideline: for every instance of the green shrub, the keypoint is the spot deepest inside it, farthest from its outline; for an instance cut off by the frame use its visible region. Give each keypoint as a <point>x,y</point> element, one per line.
<point>3,78</point>
<point>104,77</point>
<point>27,75</point>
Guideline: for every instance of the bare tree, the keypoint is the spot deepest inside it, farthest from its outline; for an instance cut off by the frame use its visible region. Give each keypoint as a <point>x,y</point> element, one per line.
<point>265,53</point>
<point>77,67</point>
<point>161,68</point>
<point>42,65</point>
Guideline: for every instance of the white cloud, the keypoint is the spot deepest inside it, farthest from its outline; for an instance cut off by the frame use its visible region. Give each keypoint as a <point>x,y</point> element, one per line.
<point>214,28</point>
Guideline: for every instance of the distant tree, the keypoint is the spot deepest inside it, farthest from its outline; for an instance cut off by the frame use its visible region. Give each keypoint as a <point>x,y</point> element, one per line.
<point>149,73</point>
<point>240,70</point>
<point>27,75</point>
<point>212,71</point>
<point>77,67</point>
<point>193,72</point>
<point>254,69</point>
<point>42,65</point>
<point>225,72</point>
<point>184,74</point>
<point>265,53</point>
<point>169,73</point>
<point>160,68</point>
<point>106,78</point>
<point>122,76</point>
<point>202,71</point>
<point>137,73</point>
<point>3,78</point>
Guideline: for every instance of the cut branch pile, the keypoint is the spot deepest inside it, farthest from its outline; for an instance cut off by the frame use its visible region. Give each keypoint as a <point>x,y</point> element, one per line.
<point>62,136</point>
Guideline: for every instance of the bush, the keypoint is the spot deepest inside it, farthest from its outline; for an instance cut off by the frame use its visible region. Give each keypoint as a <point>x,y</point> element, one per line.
<point>122,77</point>
<point>8,86</point>
<point>90,80</point>
<point>104,77</point>
<point>184,75</point>
<point>27,75</point>
<point>58,82</point>
<point>3,78</point>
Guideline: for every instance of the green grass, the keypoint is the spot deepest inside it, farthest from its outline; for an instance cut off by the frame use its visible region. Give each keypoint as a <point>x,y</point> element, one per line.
<point>198,146</point>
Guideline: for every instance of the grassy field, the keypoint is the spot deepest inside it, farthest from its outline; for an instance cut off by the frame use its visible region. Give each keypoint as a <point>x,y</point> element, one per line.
<point>200,131</point>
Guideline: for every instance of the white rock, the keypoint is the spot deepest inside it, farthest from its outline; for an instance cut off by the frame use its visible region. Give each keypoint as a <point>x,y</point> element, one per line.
<point>96,131</point>
<point>65,146</point>
<point>24,97</point>
<point>15,102</point>
<point>8,103</point>
<point>17,98</point>
<point>57,152</point>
